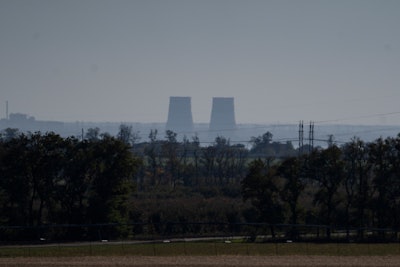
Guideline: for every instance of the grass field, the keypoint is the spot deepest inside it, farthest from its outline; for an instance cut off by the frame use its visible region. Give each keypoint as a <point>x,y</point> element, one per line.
<point>201,249</point>
<point>204,261</point>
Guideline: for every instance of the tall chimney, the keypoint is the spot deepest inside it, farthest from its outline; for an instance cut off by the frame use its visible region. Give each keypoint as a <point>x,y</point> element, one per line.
<point>222,115</point>
<point>180,114</point>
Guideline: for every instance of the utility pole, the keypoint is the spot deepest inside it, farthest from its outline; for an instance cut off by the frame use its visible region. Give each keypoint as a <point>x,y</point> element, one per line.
<point>311,137</point>
<point>301,137</point>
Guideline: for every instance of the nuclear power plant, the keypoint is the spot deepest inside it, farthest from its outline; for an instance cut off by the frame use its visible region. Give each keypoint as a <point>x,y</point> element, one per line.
<point>180,114</point>
<point>222,121</point>
<point>222,124</point>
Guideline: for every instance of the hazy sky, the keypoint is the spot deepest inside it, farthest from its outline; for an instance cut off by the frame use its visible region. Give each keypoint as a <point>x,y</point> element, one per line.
<point>282,61</point>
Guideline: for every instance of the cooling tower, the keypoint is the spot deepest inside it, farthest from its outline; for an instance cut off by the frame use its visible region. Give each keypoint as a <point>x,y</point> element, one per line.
<point>180,114</point>
<point>222,114</point>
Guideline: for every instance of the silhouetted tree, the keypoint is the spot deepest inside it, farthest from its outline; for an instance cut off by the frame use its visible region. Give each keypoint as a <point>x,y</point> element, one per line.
<point>170,152</point>
<point>384,160</point>
<point>152,153</point>
<point>326,169</point>
<point>222,157</point>
<point>260,186</point>
<point>261,145</point>
<point>15,185</point>
<point>9,133</point>
<point>112,184</point>
<point>354,157</point>
<point>208,162</point>
<point>93,134</point>
<point>126,135</point>
<point>196,151</point>
<point>292,172</point>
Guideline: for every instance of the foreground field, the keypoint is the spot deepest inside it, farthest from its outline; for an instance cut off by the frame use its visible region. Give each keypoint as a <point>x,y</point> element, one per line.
<point>204,261</point>
<point>201,254</point>
<point>217,248</point>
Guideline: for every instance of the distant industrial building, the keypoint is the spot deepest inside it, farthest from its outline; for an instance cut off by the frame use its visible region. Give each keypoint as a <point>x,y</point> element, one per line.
<point>222,122</point>
<point>180,118</point>
<point>25,123</point>
<point>222,114</point>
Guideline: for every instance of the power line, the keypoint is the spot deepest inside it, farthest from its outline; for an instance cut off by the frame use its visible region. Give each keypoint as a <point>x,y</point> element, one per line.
<point>360,117</point>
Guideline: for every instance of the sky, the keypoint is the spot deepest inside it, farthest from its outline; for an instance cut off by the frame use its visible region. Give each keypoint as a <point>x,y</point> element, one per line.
<point>282,61</point>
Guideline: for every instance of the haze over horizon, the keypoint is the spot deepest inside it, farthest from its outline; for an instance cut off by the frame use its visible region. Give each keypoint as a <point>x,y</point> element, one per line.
<point>282,61</point>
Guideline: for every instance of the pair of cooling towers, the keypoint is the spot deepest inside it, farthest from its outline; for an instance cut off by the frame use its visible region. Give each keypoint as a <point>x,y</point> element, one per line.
<point>180,114</point>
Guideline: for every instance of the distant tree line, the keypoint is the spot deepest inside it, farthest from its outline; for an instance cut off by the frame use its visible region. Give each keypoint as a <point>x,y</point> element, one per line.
<point>47,179</point>
<point>169,162</point>
<point>356,185</point>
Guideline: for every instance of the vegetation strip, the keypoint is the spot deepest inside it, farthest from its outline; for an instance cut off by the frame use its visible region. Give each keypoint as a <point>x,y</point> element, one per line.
<point>202,249</point>
<point>100,187</point>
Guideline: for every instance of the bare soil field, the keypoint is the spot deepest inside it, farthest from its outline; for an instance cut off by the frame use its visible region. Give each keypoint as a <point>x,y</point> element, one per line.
<point>204,261</point>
